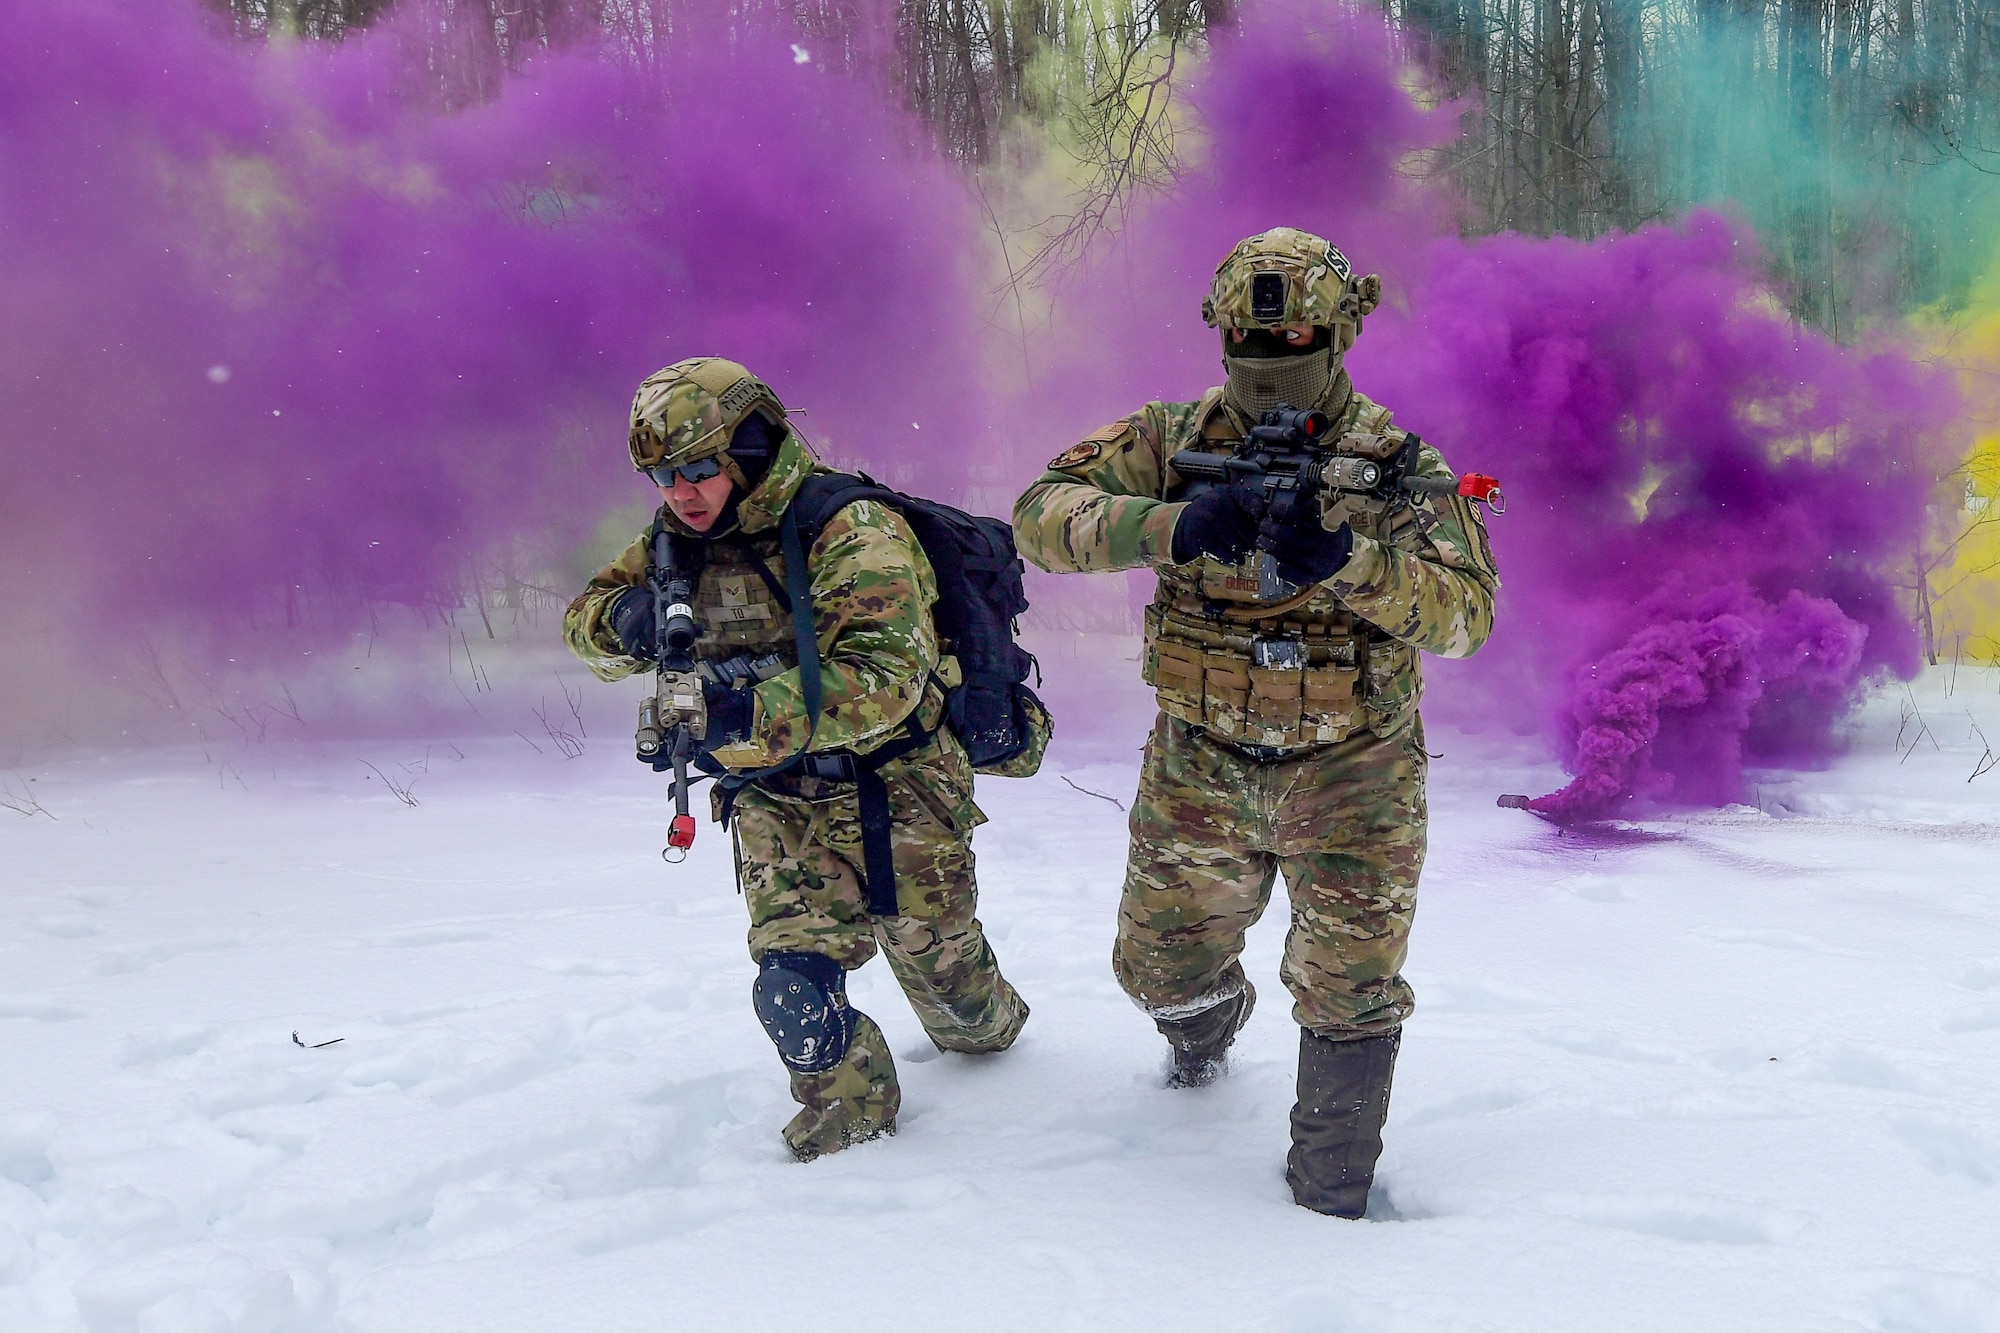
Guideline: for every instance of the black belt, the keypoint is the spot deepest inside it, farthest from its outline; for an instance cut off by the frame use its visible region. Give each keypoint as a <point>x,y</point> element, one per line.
<point>878,860</point>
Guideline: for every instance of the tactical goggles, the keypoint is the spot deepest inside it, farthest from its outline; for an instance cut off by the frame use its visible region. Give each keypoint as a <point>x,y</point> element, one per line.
<point>692,473</point>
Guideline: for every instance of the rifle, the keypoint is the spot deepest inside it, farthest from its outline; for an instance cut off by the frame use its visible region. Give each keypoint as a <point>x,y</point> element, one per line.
<point>1288,455</point>
<point>674,716</point>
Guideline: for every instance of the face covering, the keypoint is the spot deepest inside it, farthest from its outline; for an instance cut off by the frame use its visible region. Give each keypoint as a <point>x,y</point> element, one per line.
<point>1257,384</point>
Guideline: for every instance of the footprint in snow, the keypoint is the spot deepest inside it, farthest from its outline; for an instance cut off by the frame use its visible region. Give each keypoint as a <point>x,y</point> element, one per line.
<point>1606,1045</point>
<point>41,1008</point>
<point>1981,975</point>
<point>1858,1068</point>
<point>169,1043</point>
<point>68,926</point>
<point>1973,1018</point>
<point>1770,939</point>
<point>1696,1220</point>
<point>1932,1303</point>
<point>584,967</point>
<point>1466,995</point>
<point>424,937</point>
<point>140,957</point>
<point>1485,1101</point>
<point>1950,1150</point>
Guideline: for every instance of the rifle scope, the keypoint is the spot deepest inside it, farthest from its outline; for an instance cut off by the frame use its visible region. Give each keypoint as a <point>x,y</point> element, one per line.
<point>677,629</point>
<point>1291,428</point>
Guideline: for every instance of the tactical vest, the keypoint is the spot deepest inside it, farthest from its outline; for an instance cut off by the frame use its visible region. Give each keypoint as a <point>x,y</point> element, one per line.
<point>1273,675</point>
<point>735,605</point>
<point>739,613</point>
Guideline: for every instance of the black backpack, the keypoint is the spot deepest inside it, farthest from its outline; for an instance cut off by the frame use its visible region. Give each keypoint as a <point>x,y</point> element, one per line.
<point>1002,725</point>
<point>996,717</point>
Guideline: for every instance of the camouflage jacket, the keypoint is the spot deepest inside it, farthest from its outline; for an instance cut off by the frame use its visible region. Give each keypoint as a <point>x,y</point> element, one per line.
<point>1423,579</point>
<point>872,590</point>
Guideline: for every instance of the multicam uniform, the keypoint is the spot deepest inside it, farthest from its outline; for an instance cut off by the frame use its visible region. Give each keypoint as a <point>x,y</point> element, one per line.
<point>798,838</point>
<point>1316,769</point>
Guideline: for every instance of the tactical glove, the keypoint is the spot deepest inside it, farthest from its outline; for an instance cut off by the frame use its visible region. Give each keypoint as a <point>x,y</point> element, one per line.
<point>729,713</point>
<point>1305,551</point>
<point>1220,523</point>
<point>632,621</point>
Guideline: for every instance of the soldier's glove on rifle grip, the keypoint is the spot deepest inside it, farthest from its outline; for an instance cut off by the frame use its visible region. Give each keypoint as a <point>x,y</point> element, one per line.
<point>1305,551</point>
<point>632,621</point>
<point>729,713</point>
<point>1219,523</point>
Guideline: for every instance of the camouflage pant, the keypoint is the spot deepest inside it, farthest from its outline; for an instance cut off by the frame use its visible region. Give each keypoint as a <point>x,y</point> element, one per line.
<point>798,853</point>
<point>1210,830</point>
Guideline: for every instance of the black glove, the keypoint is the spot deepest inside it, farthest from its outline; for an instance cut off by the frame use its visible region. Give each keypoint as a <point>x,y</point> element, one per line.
<point>1306,552</point>
<point>1220,523</point>
<point>729,713</point>
<point>632,621</point>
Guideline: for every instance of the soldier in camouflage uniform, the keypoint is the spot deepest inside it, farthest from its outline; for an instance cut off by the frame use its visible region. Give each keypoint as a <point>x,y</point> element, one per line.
<point>715,440</point>
<point>1288,737</point>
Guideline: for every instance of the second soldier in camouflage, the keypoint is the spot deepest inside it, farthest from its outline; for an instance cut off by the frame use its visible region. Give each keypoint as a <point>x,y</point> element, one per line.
<point>1288,738</point>
<point>716,441</point>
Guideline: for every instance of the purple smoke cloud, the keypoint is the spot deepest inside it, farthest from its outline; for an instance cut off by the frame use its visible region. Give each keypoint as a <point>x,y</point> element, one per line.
<point>1708,504</point>
<point>1666,715</point>
<point>284,342</point>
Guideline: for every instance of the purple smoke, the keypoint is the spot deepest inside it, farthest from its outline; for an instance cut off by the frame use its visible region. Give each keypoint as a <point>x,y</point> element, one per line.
<point>1707,503</point>
<point>1665,715</point>
<point>282,341</point>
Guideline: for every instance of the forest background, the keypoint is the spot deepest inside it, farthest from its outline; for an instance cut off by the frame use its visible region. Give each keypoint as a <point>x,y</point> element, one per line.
<point>351,296</point>
<point>1860,139</point>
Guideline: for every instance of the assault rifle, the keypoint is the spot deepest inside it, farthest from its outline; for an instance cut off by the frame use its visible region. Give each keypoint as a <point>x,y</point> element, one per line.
<point>1288,455</point>
<point>674,716</point>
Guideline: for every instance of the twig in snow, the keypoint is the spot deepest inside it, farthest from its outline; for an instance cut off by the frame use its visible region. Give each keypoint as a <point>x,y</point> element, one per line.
<point>568,744</point>
<point>1923,728</point>
<point>575,702</point>
<point>1088,792</point>
<point>399,790</point>
<point>1987,760</point>
<point>26,804</point>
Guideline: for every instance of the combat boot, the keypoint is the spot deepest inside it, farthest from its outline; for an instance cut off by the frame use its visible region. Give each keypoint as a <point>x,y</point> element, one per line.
<point>1337,1121</point>
<point>1201,1041</point>
<point>852,1102</point>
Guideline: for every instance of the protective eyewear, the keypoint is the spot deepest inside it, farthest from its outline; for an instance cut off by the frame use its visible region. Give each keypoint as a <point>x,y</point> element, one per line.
<point>692,473</point>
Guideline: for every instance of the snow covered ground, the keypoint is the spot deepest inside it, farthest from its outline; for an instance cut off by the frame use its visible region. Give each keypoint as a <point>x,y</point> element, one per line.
<point>1734,1071</point>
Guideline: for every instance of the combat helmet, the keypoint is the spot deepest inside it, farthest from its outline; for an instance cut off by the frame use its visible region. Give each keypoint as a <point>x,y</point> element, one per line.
<point>1285,276</point>
<point>691,409</point>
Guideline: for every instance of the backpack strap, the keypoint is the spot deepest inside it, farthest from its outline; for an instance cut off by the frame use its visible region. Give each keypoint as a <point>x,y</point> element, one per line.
<point>810,686</point>
<point>818,499</point>
<point>824,494</point>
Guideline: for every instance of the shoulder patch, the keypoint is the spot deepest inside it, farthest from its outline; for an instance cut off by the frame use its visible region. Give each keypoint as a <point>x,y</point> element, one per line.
<point>1077,454</point>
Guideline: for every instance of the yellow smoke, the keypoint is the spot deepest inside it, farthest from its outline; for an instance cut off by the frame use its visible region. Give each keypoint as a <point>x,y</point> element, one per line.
<point>1963,563</point>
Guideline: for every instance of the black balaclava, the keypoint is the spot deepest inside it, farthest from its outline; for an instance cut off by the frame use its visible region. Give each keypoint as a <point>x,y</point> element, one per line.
<point>752,446</point>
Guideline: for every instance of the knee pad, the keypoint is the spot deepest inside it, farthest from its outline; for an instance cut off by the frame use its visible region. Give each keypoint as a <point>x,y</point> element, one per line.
<point>801,999</point>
